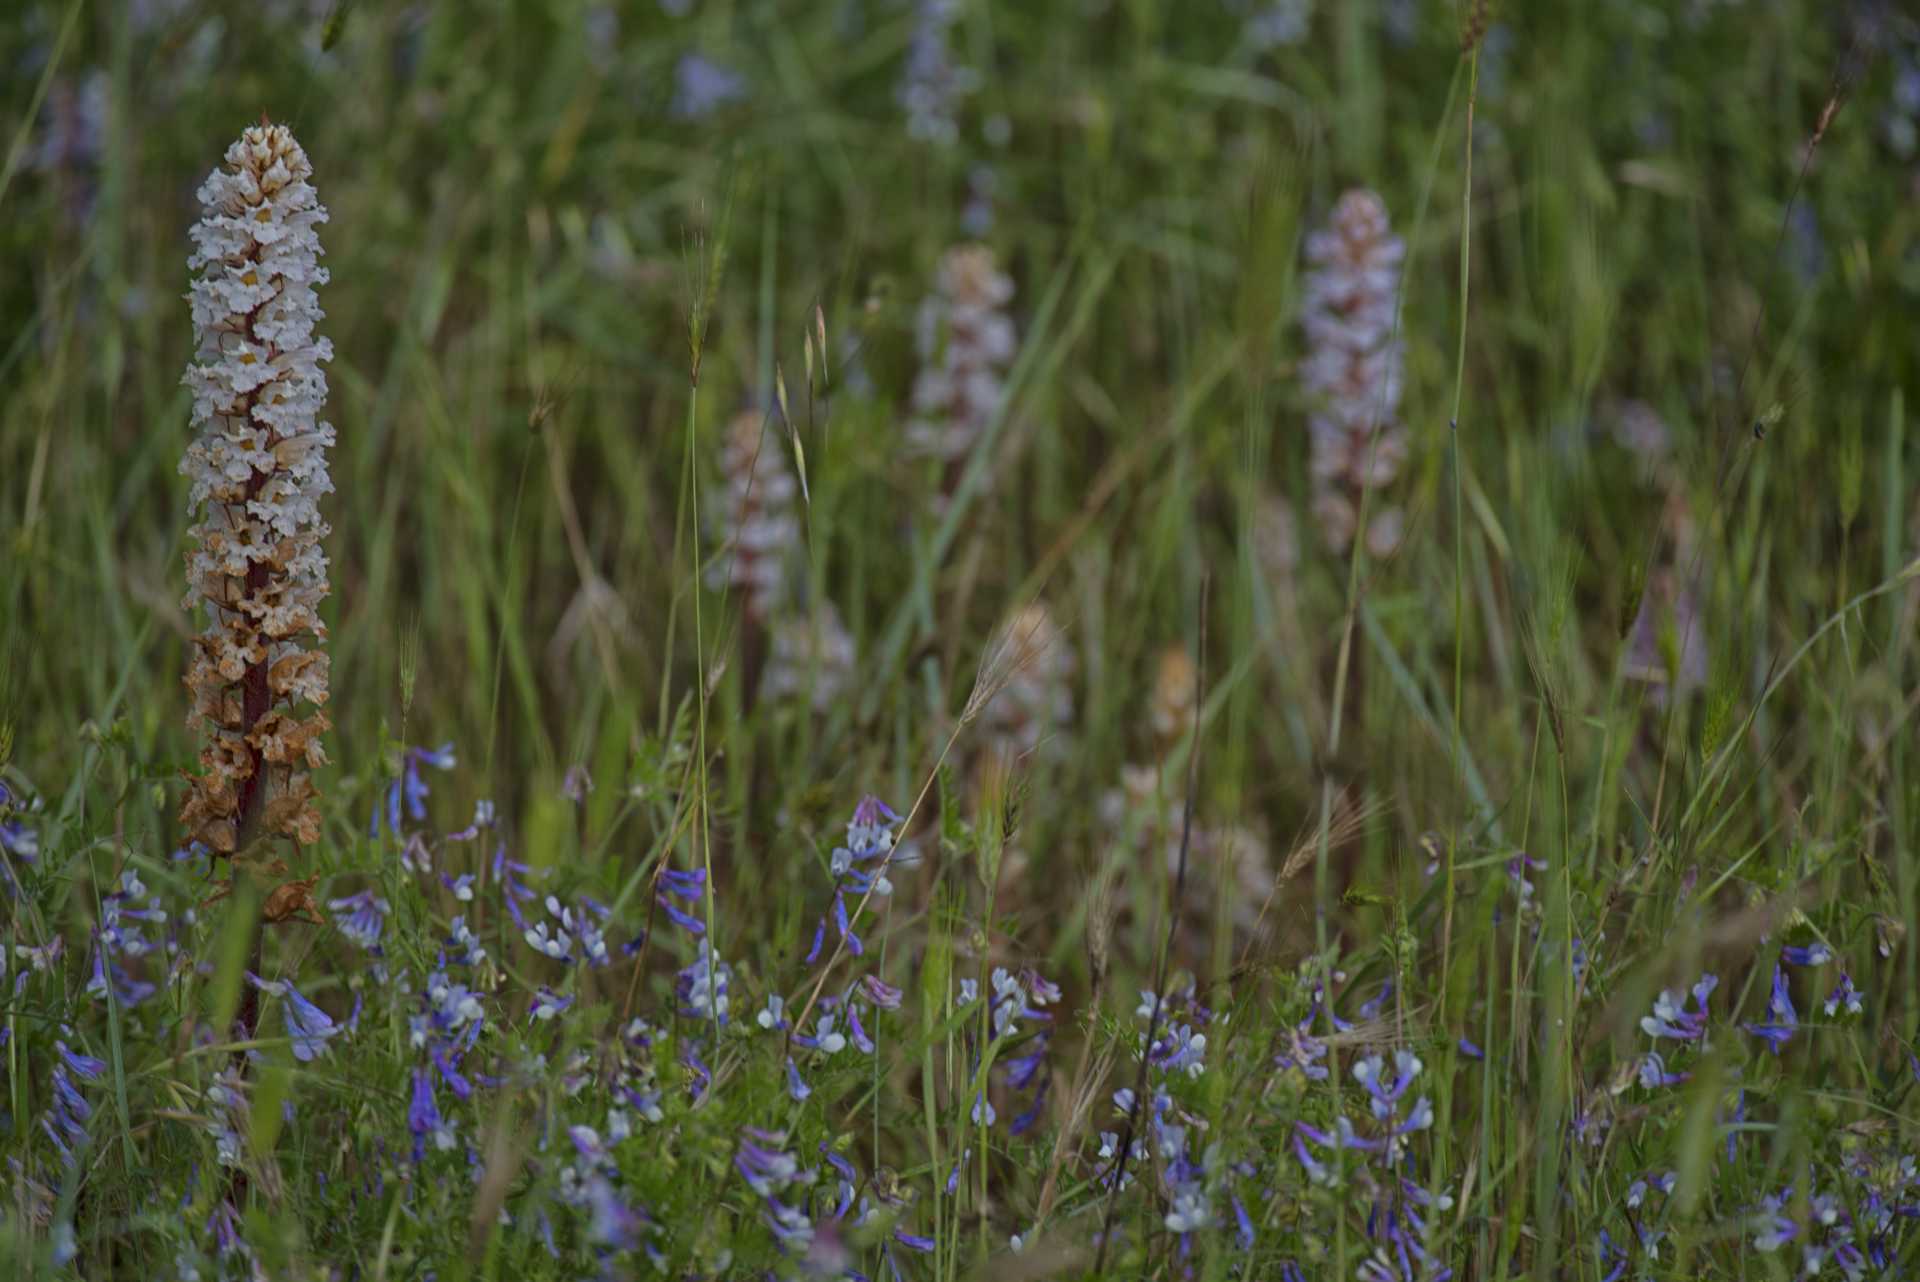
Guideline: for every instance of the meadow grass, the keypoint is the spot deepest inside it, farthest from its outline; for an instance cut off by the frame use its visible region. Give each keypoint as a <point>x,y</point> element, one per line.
<point>1234,887</point>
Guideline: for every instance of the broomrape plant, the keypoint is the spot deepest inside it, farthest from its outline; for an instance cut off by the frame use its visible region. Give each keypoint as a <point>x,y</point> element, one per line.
<point>258,469</point>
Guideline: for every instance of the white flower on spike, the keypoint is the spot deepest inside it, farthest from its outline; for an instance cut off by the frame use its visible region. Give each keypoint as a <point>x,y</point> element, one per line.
<point>1352,371</point>
<point>966,340</point>
<point>758,527</point>
<point>813,655</point>
<point>257,470</point>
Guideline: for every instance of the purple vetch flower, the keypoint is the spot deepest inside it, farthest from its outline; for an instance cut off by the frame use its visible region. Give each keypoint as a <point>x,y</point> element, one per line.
<point>1385,1094</point>
<point>452,1011</point>
<point>1654,1074</point>
<point>1189,1212</point>
<point>773,1016</point>
<point>556,944</point>
<point>1243,1225</point>
<point>702,86</point>
<point>65,1122</point>
<point>702,985</point>
<point>16,837</point>
<point>797,1087</point>
<point>547,1003</point>
<point>411,788</point>
<point>224,1224</point>
<point>1672,1020</point>
<point>1179,1050</point>
<point>1022,1068</point>
<point>1322,1001</point>
<point>87,1066</point>
<point>1814,954</point>
<point>465,947</point>
<point>611,1223</point>
<point>1275,23</point>
<point>848,1177</point>
<point>424,1119</point>
<point>1468,1049</point>
<point>64,1245</point>
<point>1773,1228</point>
<point>856,1032</point>
<point>1109,1158</point>
<point>688,885</point>
<point>362,918</point>
<point>228,1124</point>
<point>702,1075</point>
<point>1303,1051</point>
<point>761,1162</point>
<point>858,867</point>
<point>645,1103</point>
<point>881,994</point>
<point>589,932</point>
<point>790,1226</point>
<point>1370,1009</point>
<point>119,938</point>
<point>828,1254</point>
<point>1612,1257</point>
<point>1043,991</point>
<point>508,872</point>
<point>1844,994</point>
<point>1020,997</point>
<point>825,1037</point>
<point>544,1224</point>
<point>308,1027</point>
<point>953,1176</point>
<point>484,818</point>
<point>588,1144</point>
<point>447,1064</point>
<point>1779,1029</point>
<point>1517,869</point>
<point>129,989</point>
<point>1025,1120</point>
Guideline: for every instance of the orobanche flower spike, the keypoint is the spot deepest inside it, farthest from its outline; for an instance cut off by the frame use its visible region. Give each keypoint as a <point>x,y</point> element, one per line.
<point>258,466</point>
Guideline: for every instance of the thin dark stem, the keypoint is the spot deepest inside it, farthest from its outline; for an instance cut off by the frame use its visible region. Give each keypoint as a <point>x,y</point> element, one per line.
<point>1166,950</point>
<point>257,701</point>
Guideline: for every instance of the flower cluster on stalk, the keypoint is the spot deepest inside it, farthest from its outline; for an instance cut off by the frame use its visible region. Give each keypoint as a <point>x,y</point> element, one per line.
<point>120,939</point>
<point>1352,372</point>
<point>258,470</point>
<point>934,84</point>
<point>1375,1155</point>
<point>859,868</point>
<point>965,340</point>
